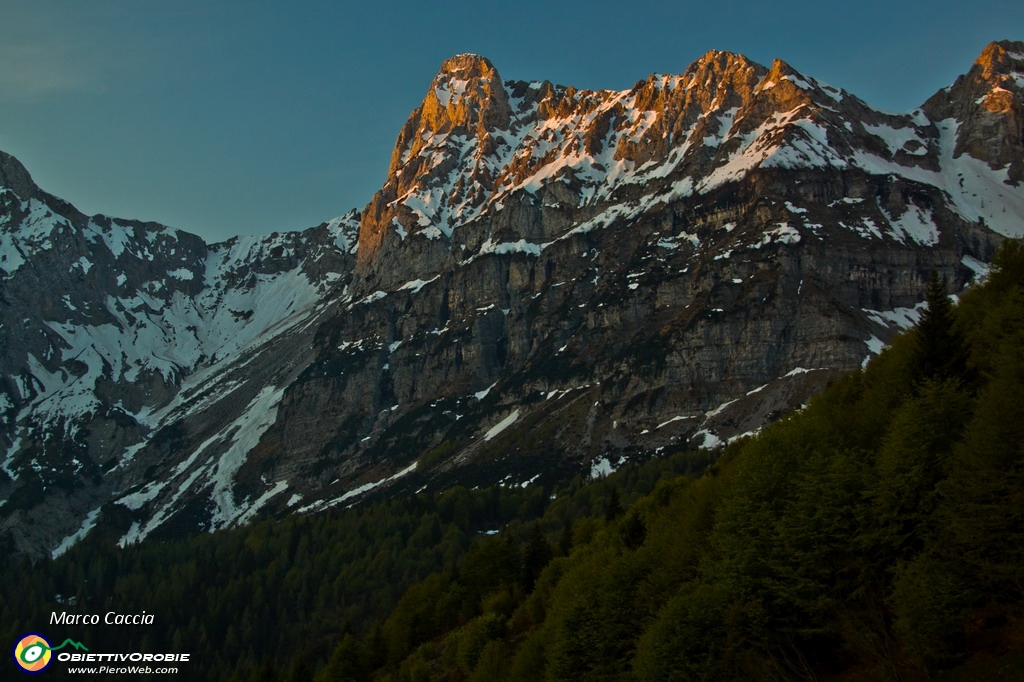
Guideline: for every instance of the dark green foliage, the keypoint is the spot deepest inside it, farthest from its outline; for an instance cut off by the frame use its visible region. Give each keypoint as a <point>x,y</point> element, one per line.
<point>941,353</point>
<point>267,672</point>
<point>502,588</point>
<point>536,556</point>
<point>633,530</point>
<point>688,638</point>
<point>613,510</point>
<point>275,600</point>
<point>565,539</point>
<point>914,458</point>
<point>877,534</point>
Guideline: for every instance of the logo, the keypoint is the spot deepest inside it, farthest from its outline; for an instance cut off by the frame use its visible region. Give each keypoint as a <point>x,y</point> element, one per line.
<point>32,653</point>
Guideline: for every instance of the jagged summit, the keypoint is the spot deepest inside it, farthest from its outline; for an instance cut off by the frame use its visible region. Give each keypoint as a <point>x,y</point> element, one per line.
<point>999,69</point>
<point>476,145</point>
<point>550,281</point>
<point>1001,59</point>
<point>467,65</point>
<point>721,61</point>
<point>987,105</point>
<point>468,94</point>
<point>16,177</point>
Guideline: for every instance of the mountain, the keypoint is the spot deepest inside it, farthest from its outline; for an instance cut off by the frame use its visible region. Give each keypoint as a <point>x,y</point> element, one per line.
<point>550,282</point>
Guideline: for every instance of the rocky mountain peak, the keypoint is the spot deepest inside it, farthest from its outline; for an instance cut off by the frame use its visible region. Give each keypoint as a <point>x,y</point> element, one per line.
<point>467,103</point>
<point>988,105</point>
<point>1001,68</point>
<point>721,61</point>
<point>1000,60</point>
<point>20,190</point>
<point>467,66</point>
<point>996,78</point>
<point>478,144</point>
<point>466,93</point>
<point>15,177</point>
<point>550,282</point>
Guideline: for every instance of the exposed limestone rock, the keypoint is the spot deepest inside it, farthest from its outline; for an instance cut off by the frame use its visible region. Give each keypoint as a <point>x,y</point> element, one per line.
<point>987,104</point>
<point>549,277</point>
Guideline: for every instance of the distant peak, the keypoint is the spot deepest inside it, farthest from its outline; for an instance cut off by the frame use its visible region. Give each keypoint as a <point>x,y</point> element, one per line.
<point>466,66</point>
<point>782,69</point>
<point>717,65</point>
<point>717,55</point>
<point>1011,49</point>
<point>722,59</point>
<point>15,176</point>
<point>1001,57</point>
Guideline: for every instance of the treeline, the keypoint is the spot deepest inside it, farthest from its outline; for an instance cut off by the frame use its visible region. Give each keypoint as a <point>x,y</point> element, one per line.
<point>278,590</point>
<point>877,534</point>
<point>273,600</point>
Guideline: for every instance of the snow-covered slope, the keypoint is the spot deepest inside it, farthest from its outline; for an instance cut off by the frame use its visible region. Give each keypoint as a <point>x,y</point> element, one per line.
<point>550,281</point>
<point>108,326</point>
<point>477,145</point>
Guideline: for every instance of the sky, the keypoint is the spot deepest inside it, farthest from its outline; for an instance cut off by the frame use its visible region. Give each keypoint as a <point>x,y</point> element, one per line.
<point>251,116</point>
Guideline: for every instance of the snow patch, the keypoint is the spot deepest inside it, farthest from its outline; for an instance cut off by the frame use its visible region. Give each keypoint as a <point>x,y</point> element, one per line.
<point>600,468</point>
<point>979,268</point>
<point>899,139</point>
<point>69,541</point>
<point>528,482</point>
<point>875,346</point>
<point>355,492</point>
<point>135,501</point>
<point>902,318</point>
<point>674,419</point>
<point>181,274</point>
<point>710,440</point>
<point>917,224</point>
<point>415,285</point>
<point>718,410</point>
<point>480,395</point>
<point>502,425</point>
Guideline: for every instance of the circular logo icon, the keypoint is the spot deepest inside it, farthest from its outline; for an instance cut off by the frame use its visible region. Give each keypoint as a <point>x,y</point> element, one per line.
<point>32,653</point>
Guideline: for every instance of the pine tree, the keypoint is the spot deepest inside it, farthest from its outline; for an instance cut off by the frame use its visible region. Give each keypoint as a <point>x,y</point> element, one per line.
<point>536,556</point>
<point>348,662</point>
<point>614,508</point>
<point>941,352</point>
<point>633,530</point>
<point>565,540</point>
<point>267,672</point>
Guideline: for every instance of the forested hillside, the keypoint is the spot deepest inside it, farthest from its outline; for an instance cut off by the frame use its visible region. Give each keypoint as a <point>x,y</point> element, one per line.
<point>875,534</point>
<point>273,600</point>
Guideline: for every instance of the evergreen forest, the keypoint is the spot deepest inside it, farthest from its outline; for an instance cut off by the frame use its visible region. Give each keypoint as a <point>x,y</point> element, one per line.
<point>876,533</point>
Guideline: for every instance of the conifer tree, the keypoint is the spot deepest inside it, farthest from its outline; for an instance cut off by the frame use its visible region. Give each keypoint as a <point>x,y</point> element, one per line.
<point>633,531</point>
<point>614,508</point>
<point>565,540</point>
<point>941,352</point>
<point>535,557</point>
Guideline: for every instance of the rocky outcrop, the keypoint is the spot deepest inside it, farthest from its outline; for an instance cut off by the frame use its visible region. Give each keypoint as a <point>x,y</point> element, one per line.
<point>110,326</point>
<point>550,281</point>
<point>986,104</point>
<point>467,101</point>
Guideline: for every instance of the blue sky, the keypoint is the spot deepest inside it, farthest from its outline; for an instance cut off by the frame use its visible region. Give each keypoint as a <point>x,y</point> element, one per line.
<point>247,117</point>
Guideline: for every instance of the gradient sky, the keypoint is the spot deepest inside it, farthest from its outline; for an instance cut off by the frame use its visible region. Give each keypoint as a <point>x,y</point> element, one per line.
<point>245,117</point>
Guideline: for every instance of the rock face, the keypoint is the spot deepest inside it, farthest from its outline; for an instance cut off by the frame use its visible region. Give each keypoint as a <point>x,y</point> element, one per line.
<point>987,103</point>
<point>549,282</point>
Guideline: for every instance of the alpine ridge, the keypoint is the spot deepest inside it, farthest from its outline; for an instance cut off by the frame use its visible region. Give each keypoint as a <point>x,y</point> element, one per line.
<point>550,282</point>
